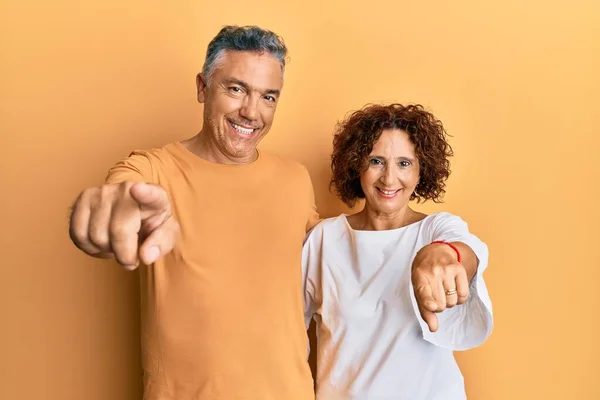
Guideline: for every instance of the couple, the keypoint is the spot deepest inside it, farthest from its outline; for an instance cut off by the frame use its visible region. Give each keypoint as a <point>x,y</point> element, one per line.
<point>219,227</point>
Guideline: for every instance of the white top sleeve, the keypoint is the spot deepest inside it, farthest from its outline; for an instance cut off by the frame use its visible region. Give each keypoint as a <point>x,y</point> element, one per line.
<point>467,325</point>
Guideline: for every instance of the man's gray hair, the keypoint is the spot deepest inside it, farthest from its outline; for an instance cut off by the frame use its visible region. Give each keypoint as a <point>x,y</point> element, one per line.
<point>242,38</point>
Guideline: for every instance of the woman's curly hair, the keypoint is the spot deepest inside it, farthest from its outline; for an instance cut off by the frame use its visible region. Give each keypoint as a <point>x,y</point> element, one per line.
<point>355,136</point>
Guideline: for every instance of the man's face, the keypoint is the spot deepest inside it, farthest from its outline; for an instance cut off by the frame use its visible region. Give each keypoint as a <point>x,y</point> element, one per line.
<point>240,101</point>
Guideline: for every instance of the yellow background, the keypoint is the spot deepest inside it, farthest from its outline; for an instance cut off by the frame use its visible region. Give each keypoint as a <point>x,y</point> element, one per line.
<point>516,83</point>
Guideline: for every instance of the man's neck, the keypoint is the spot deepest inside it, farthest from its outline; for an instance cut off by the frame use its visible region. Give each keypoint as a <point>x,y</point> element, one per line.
<point>205,147</point>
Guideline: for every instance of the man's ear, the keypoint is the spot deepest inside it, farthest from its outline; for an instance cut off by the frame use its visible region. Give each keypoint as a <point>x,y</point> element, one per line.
<point>201,85</point>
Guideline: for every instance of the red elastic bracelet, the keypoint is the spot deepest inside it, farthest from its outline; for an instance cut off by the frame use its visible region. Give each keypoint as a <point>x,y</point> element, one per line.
<point>451,245</point>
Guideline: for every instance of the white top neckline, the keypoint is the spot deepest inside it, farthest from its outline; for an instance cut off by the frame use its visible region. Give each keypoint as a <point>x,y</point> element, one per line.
<point>392,231</point>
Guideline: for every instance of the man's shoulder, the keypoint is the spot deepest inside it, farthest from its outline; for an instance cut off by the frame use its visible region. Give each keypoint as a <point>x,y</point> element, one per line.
<point>275,159</point>
<point>284,165</point>
<point>156,153</point>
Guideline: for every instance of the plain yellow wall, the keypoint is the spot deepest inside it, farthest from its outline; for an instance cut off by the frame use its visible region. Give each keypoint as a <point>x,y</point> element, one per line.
<point>516,83</point>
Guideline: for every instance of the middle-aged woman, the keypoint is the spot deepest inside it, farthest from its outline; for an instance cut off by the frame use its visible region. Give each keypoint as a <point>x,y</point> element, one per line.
<point>393,291</point>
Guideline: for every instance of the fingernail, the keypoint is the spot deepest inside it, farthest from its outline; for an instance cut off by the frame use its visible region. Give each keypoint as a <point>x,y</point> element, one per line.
<point>130,267</point>
<point>153,254</point>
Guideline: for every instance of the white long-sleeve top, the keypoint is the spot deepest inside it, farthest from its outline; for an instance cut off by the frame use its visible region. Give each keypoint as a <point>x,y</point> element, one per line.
<point>372,342</point>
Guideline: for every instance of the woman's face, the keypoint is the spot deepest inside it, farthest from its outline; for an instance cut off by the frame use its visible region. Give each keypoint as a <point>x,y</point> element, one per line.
<point>392,174</point>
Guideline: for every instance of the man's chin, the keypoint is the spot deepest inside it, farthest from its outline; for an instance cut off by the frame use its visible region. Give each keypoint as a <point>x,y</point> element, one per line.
<point>247,151</point>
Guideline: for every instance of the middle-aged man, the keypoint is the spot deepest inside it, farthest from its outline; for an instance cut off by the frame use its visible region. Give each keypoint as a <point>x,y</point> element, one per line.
<point>219,226</point>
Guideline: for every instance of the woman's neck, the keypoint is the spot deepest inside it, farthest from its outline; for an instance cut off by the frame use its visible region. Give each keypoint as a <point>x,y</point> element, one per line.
<point>369,219</point>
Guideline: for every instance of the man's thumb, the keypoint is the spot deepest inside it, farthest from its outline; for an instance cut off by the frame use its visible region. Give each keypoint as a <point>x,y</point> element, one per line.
<point>150,197</point>
<point>160,242</point>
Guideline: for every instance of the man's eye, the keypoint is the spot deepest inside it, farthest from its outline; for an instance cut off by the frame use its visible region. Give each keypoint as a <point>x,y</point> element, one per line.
<point>270,98</point>
<point>235,89</point>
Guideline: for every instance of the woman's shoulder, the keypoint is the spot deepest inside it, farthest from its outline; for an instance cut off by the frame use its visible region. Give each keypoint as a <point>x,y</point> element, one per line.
<point>327,226</point>
<point>442,217</point>
<point>442,221</point>
<point>332,223</point>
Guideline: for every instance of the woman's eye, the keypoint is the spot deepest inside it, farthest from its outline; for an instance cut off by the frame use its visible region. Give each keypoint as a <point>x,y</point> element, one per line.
<point>374,161</point>
<point>404,164</point>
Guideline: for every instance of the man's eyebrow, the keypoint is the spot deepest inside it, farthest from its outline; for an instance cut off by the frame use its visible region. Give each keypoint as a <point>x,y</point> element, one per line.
<point>273,91</point>
<point>237,82</point>
<point>243,84</point>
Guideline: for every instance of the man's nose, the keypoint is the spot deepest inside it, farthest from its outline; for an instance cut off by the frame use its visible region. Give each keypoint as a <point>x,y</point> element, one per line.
<point>249,108</point>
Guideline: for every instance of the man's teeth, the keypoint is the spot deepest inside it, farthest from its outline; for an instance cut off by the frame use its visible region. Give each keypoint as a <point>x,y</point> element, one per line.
<point>241,129</point>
